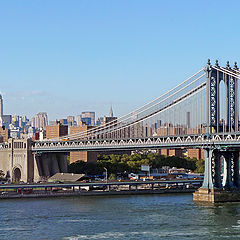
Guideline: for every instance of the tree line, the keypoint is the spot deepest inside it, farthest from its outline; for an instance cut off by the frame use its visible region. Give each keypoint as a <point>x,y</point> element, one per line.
<point>132,163</point>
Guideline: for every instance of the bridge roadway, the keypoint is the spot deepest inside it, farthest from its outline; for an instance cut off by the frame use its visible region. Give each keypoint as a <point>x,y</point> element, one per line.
<point>221,140</point>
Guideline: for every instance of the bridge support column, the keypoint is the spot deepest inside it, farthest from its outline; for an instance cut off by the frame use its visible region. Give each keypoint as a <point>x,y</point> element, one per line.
<point>207,182</point>
<point>236,177</point>
<point>45,165</point>
<point>54,164</point>
<point>62,159</point>
<point>37,169</point>
<point>218,187</point>
<point>227,172</point>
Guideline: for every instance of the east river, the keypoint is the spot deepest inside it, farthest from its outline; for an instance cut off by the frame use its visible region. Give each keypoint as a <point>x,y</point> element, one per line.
<point>123,217</point>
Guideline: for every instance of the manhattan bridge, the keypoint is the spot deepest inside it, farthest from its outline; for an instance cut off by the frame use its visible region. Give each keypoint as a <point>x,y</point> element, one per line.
<point>201,112</point>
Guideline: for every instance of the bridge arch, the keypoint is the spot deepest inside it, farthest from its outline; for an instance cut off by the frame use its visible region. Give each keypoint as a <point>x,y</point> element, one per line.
<point>17,174</point>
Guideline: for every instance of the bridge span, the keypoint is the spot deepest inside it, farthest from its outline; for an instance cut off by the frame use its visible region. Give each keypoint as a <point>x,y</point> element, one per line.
<point>200,112</point>
<point>220,141</point>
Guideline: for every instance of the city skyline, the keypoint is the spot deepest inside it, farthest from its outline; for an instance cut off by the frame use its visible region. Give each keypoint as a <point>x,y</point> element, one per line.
<point>112,50</point>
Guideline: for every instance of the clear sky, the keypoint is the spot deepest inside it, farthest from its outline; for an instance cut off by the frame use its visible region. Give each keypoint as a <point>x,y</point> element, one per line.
<point>65,57</point>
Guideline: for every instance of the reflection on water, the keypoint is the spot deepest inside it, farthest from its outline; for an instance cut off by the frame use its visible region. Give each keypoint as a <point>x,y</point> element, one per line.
<point>123,217</point>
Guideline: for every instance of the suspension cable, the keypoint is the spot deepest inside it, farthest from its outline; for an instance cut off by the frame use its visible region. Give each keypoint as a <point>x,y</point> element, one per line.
<point>121,119</point>
<point>82,134</point>
<point>226,71</point>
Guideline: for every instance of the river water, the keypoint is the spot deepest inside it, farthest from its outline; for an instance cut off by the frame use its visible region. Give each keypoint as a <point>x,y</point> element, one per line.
<point>123,217</point>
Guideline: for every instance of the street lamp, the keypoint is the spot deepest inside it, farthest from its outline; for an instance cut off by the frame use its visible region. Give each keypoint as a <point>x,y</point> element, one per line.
<point>106,173</point>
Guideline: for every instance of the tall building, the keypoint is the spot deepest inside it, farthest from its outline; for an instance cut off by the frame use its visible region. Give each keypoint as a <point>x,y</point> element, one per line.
<point>89,115</point>
<point>99,121</point>
<point>70,120</point>
<point>1,106</point>
<point>5,120</point>
<point>78,119</point>
<point>86,121</point>
<point>111,112</point>
<point>40,120</point>
<point>110,118</point>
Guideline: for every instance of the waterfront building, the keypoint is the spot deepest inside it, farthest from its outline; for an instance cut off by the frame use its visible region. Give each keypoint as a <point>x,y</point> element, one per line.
<point>195,153</point>
<point>172,152</point>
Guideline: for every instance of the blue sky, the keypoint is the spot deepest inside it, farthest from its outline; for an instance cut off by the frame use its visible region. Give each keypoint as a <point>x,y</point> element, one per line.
<point>65,57</point>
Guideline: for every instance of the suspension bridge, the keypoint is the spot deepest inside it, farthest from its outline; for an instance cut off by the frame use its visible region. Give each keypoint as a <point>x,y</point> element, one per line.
<point>189,115</point>
<point>200,112</point>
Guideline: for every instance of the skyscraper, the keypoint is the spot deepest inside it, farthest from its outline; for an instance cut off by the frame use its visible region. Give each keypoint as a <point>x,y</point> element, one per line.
<point>88,115</point>
<point>70,120</point>
<point>5,120</point>
<point>78,120</point>
<point>111,112</point>
<point>1,106</point>
<point>40,120</point>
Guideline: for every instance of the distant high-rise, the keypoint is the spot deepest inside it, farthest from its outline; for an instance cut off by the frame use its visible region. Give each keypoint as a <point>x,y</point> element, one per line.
<point>1,106</point>
<point>78,120</point>
<point>111,112</point>
<point>40,120</point>
<point>87,115</point>
<point>70,120</point>
<point>5,120</point>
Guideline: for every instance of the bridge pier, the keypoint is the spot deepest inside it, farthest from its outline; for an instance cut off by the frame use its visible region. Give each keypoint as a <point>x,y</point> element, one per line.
<point>47,164</point>
<point>221,178</point>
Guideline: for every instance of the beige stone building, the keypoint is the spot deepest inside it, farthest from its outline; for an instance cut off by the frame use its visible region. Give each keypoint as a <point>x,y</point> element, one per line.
<point>17,160</point>
<point>19,163</point>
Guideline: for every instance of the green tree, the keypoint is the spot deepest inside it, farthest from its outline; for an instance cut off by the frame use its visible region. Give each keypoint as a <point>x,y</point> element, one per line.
<point>200,166</point>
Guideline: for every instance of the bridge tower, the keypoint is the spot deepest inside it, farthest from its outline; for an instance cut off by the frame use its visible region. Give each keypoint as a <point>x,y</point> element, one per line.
<point>221,177</point>
<point>214,77</point>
